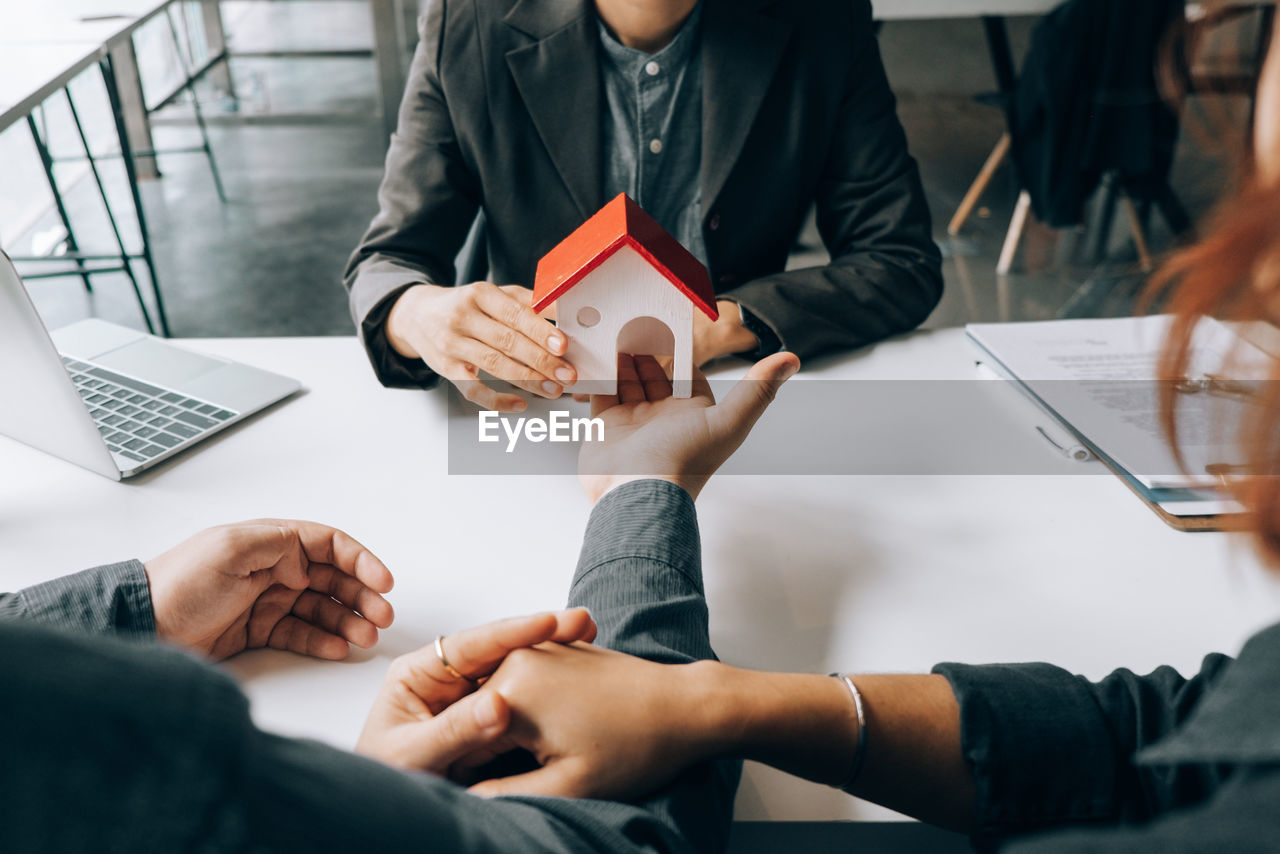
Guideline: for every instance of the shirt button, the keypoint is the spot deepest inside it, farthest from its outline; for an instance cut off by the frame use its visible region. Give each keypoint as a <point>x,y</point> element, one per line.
<point>714,222</point>
<point>656,146</point>
<point>652,69</point>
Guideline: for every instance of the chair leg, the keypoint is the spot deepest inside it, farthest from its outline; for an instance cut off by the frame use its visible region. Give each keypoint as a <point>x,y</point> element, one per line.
<point>980,184</point>
<point>189,85</point>
<point>1017,227</point>
<point>46,160</point>
<point>1139,233</point>
<point>1174,213</point>
<point>107,66</point>
<point>1098,239</point>
<point>106,204</point>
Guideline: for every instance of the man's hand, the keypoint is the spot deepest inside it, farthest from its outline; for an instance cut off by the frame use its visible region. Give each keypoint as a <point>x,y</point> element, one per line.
<point>650,434</point>
<point>299,586</point>
<point>426,718</point>
<point>722,337</point>
<point>461,331</point>
<point>600,724</point>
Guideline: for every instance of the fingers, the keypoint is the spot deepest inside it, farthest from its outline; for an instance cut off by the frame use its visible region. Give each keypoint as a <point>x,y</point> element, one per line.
<point>469,725</point>
<point>257,545</point>
<point>630,389</point>
<point>524,349</point>
<point>574,624</point>
<point>349,592</point>
<point>326,545</point>
<point>477,652</point>
<point>701,387</point>
<point>335,618</point>
<point>482,395</point>
<point>509,311</point>
<point>748,400</point>
<point>511,357</point>
<point>483,327</point>
<point>653,377</point>
<point>601,403</point>
<point>519,293</point>
<point>559,779</point>
<point>296,635</point>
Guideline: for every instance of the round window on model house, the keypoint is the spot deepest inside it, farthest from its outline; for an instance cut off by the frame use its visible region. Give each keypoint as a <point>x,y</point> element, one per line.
<point>588,317</point>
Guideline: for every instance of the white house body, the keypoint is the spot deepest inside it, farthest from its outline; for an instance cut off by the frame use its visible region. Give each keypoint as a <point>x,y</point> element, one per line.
<point>625,306</point>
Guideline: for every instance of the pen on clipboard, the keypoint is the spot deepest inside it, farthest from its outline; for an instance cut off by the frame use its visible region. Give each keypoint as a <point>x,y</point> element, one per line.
<point>1062,442</point>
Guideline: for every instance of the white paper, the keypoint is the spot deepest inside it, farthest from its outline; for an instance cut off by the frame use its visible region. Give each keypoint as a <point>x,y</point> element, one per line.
<point>1099,378</point>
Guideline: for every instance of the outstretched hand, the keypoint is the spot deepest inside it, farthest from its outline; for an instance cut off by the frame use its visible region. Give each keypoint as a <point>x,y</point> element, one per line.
<point>299,586</point>
<point>650,434</point>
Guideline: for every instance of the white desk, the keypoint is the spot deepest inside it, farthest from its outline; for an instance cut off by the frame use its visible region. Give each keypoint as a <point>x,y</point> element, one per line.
<point>30,74</point>
<point>54,25</point>
<point>818,573</point>
<point>76,21</point>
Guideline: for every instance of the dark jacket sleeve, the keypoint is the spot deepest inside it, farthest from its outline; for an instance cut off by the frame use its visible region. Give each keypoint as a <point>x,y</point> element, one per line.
<point>426,205</point>
<point>1017,720</point>
<point>111,599</point>
<point>1240,817</point>
<point>885,274</point>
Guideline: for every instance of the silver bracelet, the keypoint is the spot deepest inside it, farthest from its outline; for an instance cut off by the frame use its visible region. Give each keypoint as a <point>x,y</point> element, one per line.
<point>861,752</point>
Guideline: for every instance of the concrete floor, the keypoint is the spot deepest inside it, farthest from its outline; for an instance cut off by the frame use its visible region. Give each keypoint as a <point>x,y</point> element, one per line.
<point>302,190</point>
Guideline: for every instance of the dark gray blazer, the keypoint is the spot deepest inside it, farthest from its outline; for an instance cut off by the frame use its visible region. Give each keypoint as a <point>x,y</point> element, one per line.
<point>503,113</point>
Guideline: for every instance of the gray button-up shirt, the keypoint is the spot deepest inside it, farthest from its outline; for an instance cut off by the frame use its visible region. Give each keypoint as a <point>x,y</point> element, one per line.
<point>653,132</point>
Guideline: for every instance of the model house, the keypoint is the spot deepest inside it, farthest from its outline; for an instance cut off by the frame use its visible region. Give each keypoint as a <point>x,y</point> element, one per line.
<point>622,284</point>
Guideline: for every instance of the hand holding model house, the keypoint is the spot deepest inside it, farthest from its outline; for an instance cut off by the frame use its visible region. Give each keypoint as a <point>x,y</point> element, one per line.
<point>622,284</point>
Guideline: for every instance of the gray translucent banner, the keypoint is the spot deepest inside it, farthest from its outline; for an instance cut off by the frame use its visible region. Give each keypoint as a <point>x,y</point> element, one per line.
<point>912,427</point>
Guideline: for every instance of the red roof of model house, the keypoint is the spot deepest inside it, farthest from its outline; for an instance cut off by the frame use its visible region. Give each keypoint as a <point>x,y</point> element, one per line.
<point>620,223</point>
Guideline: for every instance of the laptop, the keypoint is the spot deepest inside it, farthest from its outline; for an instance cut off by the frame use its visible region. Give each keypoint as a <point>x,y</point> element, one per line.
<point>111,399</point>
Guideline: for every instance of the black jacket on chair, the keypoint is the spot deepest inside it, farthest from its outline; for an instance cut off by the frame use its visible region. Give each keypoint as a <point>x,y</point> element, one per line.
<point>1087,104</point>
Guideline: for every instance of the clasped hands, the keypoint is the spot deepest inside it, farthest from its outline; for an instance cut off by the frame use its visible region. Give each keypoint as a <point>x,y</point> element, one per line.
<point>533,683</point>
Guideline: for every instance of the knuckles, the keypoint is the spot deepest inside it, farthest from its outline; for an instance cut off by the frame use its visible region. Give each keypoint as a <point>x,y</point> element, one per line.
<point>506,340</point>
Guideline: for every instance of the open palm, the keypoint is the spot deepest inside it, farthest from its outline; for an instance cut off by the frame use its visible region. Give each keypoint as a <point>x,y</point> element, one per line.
<point>649,433</point>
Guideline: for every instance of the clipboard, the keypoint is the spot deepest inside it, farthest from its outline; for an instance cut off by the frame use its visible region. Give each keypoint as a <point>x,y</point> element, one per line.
<point>1209,523</point>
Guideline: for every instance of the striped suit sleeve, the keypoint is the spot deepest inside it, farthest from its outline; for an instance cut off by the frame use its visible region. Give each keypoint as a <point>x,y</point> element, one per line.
<point>112,599</point>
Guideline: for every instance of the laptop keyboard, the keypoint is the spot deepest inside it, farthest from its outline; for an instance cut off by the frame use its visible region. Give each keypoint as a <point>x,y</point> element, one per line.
<point>140,421</point>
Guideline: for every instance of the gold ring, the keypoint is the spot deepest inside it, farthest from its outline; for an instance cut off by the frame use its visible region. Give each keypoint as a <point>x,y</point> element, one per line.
<point>449,668</point>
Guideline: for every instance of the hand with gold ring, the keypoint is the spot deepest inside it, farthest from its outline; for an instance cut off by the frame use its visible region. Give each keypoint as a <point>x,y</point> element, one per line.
<point>428,715</point>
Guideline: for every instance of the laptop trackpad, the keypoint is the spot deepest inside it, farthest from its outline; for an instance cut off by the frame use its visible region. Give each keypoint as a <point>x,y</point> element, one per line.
<point>157,362</point>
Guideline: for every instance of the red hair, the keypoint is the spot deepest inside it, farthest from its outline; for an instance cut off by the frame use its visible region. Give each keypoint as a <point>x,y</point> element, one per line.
<point>1233,273</point>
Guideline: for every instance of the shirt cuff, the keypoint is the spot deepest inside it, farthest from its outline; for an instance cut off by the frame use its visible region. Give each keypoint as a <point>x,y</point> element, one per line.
<point>1016,720</point>
<point>767,338</point>
<point>393,370</point>
<point>111,599</point>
